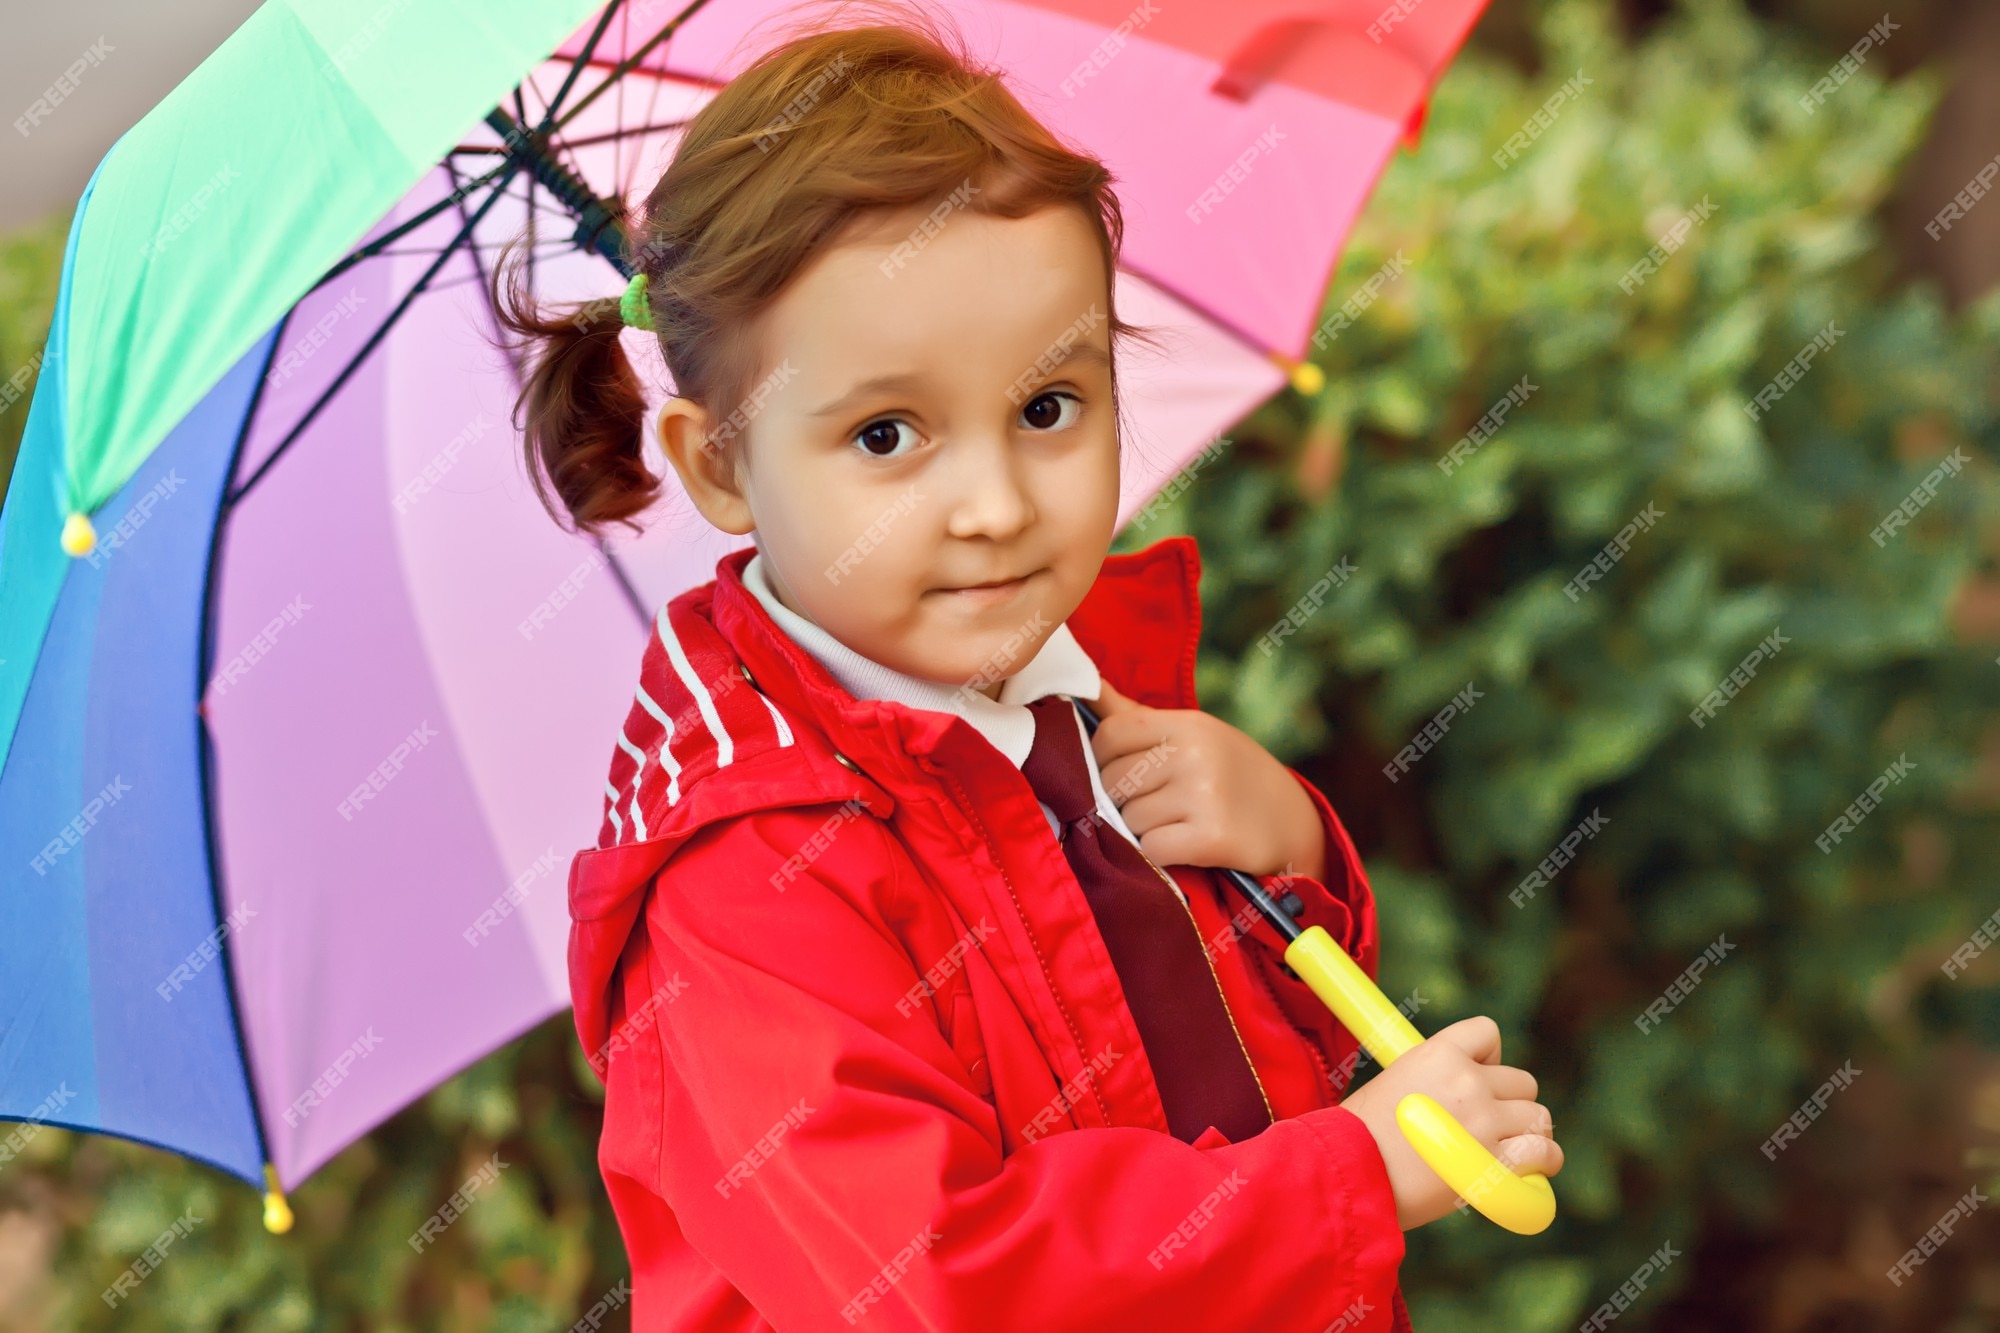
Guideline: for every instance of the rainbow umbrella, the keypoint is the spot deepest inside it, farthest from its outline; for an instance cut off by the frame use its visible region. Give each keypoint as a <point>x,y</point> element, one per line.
<point>304,702</point>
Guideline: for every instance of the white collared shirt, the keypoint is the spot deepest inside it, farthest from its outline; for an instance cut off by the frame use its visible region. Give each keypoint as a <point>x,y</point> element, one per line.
<point>1060,667</point>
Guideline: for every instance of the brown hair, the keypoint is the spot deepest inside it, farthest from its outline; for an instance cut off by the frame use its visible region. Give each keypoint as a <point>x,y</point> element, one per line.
<point>768,173</point>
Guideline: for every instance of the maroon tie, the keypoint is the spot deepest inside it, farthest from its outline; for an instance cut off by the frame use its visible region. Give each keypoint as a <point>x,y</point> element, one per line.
<point>1202,1070</point>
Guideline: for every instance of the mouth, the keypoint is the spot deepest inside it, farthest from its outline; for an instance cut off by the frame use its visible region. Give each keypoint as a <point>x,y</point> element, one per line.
<point>999,590</point>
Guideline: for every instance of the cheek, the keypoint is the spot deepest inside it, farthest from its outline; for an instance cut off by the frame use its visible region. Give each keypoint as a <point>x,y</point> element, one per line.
<point>806,522</point>
<point>1081,499</point>
<point>856,558</point>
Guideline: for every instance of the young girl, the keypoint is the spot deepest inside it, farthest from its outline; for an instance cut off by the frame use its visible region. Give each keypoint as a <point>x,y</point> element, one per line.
<point>915,1005</point>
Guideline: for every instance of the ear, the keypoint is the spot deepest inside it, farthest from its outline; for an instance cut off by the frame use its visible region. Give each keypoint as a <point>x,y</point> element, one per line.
<point>708,473</point>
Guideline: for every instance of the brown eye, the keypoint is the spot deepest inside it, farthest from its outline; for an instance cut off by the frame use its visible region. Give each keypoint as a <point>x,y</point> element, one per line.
<point>878,439</point>
<point>1052,411</point>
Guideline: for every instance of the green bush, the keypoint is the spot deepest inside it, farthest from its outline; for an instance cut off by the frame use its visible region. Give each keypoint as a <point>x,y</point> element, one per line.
<point>1635,399</point>
<point>529,1254</point>
<point>30,270</point>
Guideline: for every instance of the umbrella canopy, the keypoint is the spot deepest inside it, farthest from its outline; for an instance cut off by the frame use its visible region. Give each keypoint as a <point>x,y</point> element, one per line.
<point>300,741</point>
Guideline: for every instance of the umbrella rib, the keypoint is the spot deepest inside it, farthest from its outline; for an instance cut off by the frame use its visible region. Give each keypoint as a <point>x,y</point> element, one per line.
<point>624,583</point>
<point>535,83</point>
<point>631,178</point>
<point>536,250</point>
<point>485,290</point>
<point>587,141</point>
<point>204,748</point>
<point>374,340</point>
<point>551,209</point>
<point>521,118</point>
<point>548,247</point>
<point>576,66</point>
<point>631,62</point>
<point>1222,322</point>
<point>403,229</point>
<point>618,145</point>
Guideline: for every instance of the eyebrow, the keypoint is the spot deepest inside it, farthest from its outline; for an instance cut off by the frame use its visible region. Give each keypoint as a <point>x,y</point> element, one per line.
<point>903,380</point>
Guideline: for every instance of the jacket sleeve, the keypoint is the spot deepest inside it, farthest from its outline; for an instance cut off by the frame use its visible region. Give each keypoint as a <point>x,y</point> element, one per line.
<point>830,1155</point>
<point>1344,903</point>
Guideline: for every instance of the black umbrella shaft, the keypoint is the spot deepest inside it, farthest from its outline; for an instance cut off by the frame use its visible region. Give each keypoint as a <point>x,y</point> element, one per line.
<point>600,223</point>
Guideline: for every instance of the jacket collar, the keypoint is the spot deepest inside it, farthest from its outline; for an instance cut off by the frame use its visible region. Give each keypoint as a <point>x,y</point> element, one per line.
<point>1060,666</point>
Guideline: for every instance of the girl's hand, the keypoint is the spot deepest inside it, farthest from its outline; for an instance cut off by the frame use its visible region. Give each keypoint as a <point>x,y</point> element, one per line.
<point>1196,791</point>
<point>1460,1067</point>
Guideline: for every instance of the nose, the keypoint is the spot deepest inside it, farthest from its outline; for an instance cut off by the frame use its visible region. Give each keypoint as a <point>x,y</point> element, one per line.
<point>988,490</point>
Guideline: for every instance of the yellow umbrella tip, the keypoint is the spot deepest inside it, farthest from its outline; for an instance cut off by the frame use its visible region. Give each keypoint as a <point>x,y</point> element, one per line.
<point>78,537</point>
<point>277,1213</point>
<point>1308,378</point>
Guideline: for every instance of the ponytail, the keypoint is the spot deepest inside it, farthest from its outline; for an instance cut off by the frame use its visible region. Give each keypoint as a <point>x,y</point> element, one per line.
<point>581,412</point>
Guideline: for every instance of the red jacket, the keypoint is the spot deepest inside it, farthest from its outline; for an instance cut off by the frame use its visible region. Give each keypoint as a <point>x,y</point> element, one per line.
<point>850,1004</point>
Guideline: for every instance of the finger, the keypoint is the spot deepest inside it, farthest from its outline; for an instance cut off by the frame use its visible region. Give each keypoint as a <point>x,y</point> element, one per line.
<point>1478,1037</point>
<point>1131,776</point>
<point>1531,1154</point>
<point>1510,1084</point>
<point>1159,810</point>
<point>1168,844</point>
<point>1512,1118</point>
<point>1128,733</point>
<point>1110,702</point>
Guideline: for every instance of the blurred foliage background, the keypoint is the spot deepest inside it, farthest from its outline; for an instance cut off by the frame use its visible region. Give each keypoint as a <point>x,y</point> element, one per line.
<point>1888,652</point>
<point>30,271</point>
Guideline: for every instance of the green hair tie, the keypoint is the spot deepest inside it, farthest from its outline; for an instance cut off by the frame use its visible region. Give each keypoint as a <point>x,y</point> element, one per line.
<point>633,306</point>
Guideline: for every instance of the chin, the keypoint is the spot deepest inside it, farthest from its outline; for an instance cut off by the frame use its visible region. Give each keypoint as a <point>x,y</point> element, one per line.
<point>990,665</point>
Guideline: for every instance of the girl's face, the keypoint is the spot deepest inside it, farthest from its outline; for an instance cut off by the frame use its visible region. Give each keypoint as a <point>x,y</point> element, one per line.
<point>939,416</point>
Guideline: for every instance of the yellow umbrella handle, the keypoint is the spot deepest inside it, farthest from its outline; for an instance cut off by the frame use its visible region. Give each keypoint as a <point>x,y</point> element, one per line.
<point>1521,1203</point>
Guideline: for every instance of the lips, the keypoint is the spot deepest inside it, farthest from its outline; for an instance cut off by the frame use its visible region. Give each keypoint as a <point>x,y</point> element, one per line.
<point>998,588</point>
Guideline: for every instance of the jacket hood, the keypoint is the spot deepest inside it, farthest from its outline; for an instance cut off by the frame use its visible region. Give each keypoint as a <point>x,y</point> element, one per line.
<point>721,685</point>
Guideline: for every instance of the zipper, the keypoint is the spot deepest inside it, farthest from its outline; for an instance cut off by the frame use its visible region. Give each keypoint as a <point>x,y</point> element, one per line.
<point>1188,912</point>
<point>1319,1059</point>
